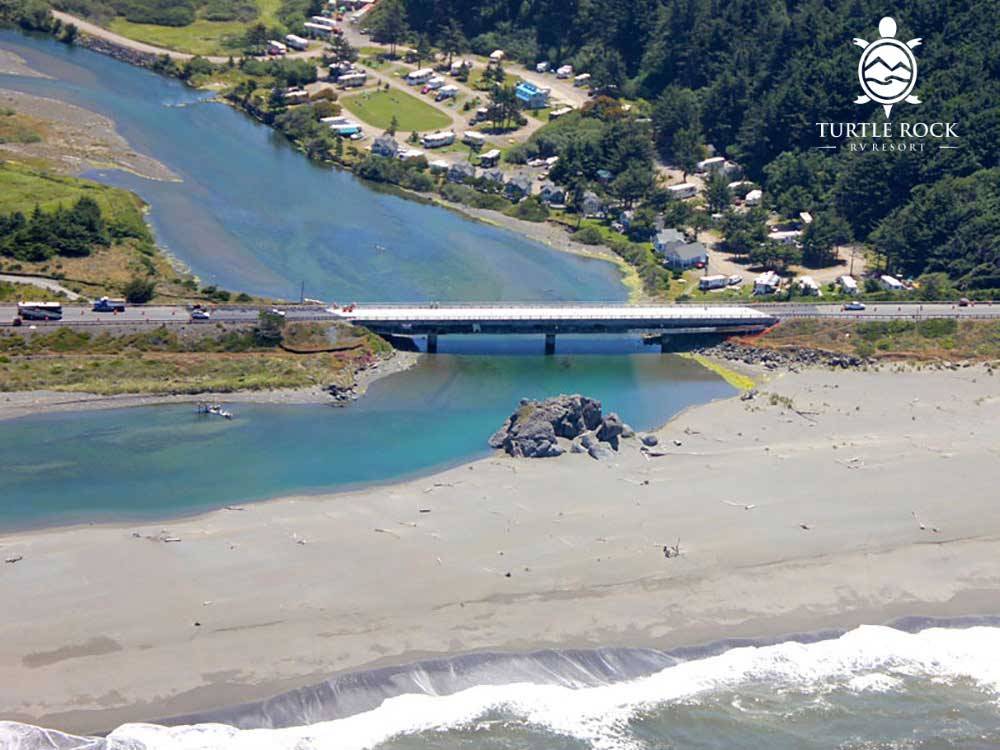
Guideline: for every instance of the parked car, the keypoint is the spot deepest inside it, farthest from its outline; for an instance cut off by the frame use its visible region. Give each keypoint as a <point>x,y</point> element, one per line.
<point>854,306</point>
<point>199,314</point>
<point>735,279</point>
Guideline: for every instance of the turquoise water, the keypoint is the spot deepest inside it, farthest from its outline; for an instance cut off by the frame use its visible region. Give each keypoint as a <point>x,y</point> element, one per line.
<point>166,460</point>
<point>253,214</point>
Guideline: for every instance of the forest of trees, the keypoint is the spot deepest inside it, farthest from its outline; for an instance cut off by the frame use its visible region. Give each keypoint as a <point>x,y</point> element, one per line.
<point>71,232</point>
<point>752,78</point>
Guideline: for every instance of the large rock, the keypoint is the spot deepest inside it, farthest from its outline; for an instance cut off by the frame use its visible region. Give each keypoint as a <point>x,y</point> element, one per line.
<point>611,429</point>
<point>600,451</point>
<point>532,430</point>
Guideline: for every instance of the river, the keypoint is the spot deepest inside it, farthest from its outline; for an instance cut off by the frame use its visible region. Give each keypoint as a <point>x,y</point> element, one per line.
<point>253,214</point>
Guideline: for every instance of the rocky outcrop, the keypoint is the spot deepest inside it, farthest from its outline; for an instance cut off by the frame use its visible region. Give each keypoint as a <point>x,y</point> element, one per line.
<point>536,428</point>
<point>773,359</point>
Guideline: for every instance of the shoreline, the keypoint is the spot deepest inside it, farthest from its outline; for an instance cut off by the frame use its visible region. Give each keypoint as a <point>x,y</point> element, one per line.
<point>18,404</point>
<point>580,539</point>
<point>545,233</point>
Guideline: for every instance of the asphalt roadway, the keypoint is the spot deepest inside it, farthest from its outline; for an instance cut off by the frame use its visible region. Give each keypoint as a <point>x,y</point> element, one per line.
<point>154,315</point>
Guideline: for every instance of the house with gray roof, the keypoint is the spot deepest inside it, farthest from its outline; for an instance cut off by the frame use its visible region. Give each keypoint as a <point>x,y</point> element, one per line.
<point>461,171</point>
<point>677,252</point>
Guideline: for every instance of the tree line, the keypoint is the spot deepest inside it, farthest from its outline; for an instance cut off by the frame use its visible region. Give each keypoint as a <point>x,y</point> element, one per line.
<point>67,232</point>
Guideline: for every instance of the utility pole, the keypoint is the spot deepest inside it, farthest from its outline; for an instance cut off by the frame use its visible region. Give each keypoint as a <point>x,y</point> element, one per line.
<point>302,292</point>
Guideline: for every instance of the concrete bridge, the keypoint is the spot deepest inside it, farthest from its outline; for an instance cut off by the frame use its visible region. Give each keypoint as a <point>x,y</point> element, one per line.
<point>549,320</point>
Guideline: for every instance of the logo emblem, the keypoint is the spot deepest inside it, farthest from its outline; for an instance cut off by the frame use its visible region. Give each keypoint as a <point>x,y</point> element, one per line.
<point>887,69</point>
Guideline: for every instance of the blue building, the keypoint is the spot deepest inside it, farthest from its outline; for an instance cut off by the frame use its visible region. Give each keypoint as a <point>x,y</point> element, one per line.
<point>532,96</point>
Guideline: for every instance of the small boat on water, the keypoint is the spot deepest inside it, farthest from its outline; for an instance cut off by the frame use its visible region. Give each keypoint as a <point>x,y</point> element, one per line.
<point>214,409</point>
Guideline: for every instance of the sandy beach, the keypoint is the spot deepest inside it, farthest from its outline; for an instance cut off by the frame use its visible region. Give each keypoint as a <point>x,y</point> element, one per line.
<point>829,500</point>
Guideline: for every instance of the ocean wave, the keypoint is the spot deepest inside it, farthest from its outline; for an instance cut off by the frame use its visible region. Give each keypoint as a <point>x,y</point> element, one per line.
<point>867,658</point>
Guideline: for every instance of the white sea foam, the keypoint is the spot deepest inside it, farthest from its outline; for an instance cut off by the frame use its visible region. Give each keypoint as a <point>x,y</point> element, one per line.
<point>868,658</point>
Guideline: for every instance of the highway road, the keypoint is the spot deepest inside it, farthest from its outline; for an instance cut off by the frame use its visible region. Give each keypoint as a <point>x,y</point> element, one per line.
<point>152,315</point>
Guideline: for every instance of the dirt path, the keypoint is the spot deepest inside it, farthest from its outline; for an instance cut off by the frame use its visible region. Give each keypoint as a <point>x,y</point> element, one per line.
<point>42,283</point>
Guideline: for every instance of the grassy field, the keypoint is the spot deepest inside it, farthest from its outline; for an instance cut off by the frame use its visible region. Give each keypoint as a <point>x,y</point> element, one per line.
<point>201,37</point>
<point>162,361</point>
<point>14,292</point>
<point>944,339</point>
<point>107,269</point>
<point>378,107</point>
<point>23,187</point>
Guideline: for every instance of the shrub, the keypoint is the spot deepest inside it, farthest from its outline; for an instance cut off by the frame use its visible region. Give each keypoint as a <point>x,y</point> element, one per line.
<point>588,236</point>
<point>139,290</point>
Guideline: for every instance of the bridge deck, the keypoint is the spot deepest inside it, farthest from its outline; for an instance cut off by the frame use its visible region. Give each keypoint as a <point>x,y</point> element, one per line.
<point>389,314</point>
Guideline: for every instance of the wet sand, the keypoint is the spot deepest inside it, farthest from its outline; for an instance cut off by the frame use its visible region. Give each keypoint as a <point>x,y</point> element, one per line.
<point>831,499</point>
<point>76,139</point>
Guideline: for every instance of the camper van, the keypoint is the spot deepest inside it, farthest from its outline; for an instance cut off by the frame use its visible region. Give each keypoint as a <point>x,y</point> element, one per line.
<point>417,77</point>
<point>446,92</point>
<point>352,80</point>
<point>439,139</point>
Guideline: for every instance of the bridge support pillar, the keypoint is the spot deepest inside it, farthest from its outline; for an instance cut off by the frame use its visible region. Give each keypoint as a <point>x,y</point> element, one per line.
<point>432,343</point>
<point>550,343</point>
<point>664,344</point>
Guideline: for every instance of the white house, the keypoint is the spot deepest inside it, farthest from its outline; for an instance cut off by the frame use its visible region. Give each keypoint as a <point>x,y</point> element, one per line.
<point>848,284</point>
<point>754,197</point>
<point>682,191</point>
<point>891,283</point>
<point>767,283</point>
<point>592,205</point>
<point>677,252</point>
<point>808,285</point>
<point>552,194</point>
<point>438,139</point>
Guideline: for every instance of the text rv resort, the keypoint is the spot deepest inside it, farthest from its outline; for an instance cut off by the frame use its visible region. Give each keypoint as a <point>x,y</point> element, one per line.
<point>887,72</point>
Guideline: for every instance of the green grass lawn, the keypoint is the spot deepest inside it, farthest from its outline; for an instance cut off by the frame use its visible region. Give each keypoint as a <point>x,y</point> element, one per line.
<point>201,37</point>
<point>198,38</point>
<point>378,107</point>
<point>22,188</point>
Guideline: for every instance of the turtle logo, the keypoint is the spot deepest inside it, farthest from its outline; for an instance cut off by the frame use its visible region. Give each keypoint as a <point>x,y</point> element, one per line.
<point>887,69</point>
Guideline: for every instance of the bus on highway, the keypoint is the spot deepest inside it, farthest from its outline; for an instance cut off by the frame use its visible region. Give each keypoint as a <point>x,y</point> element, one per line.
<point>40,310</point>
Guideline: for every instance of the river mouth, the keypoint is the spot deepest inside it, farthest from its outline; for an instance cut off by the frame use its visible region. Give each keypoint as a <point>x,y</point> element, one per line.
<point>154,462</point>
